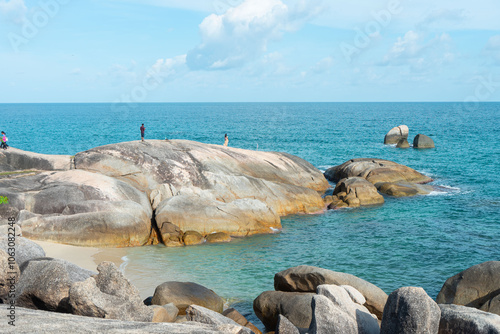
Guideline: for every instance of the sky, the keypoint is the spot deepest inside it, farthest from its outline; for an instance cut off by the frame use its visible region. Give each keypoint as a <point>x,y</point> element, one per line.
<point>133,51</point>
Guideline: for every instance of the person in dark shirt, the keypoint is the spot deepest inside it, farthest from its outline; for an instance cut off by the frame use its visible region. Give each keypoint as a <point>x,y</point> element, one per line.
<point>142,131</point>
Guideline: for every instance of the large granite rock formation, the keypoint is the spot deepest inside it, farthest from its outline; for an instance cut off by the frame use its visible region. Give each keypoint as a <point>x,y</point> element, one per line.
<point>461,319</point>
<point>111,192</point>
<point>356,191</point>
<point>308,278</point>
<point>475,287</point>
<point>387,176</point>
<point>80,208</point>
<point>14,159</point>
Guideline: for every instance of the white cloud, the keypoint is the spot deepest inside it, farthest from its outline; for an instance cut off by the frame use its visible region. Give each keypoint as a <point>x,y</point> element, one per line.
<point>323,65</point>
<point>492,49</point>
<point>13,10</point>
<point>170,67</point>
<point>242,33</point>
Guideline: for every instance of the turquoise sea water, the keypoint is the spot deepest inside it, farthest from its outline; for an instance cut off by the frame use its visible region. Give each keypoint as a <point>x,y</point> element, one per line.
<point>418,241</point>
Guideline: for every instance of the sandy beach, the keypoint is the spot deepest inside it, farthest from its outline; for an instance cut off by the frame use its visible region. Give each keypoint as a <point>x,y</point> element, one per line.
<point>85,257</point>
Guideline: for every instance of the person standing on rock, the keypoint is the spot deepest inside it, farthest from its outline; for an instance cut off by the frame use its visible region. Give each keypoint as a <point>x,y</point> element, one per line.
<point>226,140</point>
<point>142,131</point>
<point>4,140</point>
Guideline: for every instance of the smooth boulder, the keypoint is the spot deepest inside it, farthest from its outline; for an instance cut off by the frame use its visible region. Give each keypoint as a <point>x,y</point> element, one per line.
<point>25,249</point>
<point>356,191</point>
<point>183,294</point>
<point>472,287</point>
<point>423,141</point>
<point>45,284</point>
<point>410,310</point>
<point>35,321</point>
<point>80,208</point>
<point>403,143</point>
<point>9,276</point>
<point>396,134</point>
<point>295,306</point>
<point>205,316</point>
<point>308,278</point>
<point>462,319</point>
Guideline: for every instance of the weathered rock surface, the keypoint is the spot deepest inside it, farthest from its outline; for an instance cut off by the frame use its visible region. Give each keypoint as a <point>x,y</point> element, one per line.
<point>9,276</point>
<point>205,316</point>
<point>365,322</point>
<point>34,321</point>
<point>356,191</point>
<point>108,295</point>
<point>308,278</point>
<point>423,141</point>
<point>329,318</point>
<point>218,237</point>
<point>183,294</point>
<point>25,249</point>
<point>211,188</point>
<point>404,189</point>
<point>233,314</point>
<point>396,134</point>
<point>410,310</point>
<point>45,284</point>
<point>462,319</point>
<point>14,159</point>
<point>169,315</point>
<point>284,326</point>
<point>295,306</point>
<point>472,287</point>
<point>192,238</point>
<point>80,208</point>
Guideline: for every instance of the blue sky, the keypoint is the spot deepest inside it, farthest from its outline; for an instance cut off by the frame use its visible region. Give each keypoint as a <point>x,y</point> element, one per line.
<point>249,50</point>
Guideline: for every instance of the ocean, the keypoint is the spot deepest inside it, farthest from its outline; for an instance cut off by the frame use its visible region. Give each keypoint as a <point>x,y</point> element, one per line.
<point>416,241</point>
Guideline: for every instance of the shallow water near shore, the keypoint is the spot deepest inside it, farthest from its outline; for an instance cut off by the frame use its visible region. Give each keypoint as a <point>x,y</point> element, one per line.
<point>417,241</point>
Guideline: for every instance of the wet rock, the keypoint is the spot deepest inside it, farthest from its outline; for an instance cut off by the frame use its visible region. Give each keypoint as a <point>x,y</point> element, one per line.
<point>192,238</point>
<point>403,143</point>
<point>350,189</point>
<point>218,237</point>
<point>422,141</point>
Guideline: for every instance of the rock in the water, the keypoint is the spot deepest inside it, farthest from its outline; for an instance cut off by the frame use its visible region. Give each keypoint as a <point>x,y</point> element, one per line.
<point>183,294</point>
<point>34,321</point>
<point>423,141</point>
<point>233,314</point>
<point>14,159</point>
<point>366,323</point>
<point>25,249</point>
<point>396,134</point>
<point>492,305</point>
<point>329,318</point>
<point>357,188</point>
<point>410,310</point>
<point>472,287</point>
<point>205,316</point>
<point>9,276</point>
<point>45,284</point>
<point>192,238</point>
<point>295,306</point>
<point>308,278</point>
<point>284,326</point>
<point>218,237</point>
<point>376,171</point>
<point>403,143</point>
<point>81,208</point>
<point>462,319</point>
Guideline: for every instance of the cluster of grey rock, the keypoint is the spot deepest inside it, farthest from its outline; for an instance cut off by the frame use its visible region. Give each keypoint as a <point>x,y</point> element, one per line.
<point>399,136</point>
<point>314,300</point>
<point>54,285</point>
